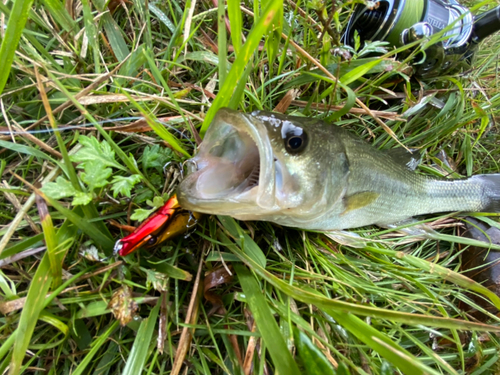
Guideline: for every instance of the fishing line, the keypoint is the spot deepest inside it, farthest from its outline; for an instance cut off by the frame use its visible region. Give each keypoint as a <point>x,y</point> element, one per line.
<point>410,14</point>
<point>387,20</point>
<point>102,122</point>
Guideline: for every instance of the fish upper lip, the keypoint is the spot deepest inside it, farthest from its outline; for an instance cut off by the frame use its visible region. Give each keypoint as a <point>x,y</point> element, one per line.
<point>265,188</point>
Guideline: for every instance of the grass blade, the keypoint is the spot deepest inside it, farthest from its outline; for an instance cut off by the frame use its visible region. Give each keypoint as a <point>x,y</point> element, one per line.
<point>242,60</point>
<point>236,22</point>
<point>222,42</point>
<point>50,240</point>
<point>313,297</point>
<point>142,343</point>
<point>315,362</point>
<point>379,342</point>
<point>35,300</point>
<point>84,225</point>
<point>60,14</point>
<point>444,272</point>
<point>97,344</point>
<point>15,26</point>
<point>266,324</point>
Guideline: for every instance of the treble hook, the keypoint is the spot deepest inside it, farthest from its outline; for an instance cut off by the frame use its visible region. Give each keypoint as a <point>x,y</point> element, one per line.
<point>169,163</point>
<point>189,161</point>
<point>192,219</point>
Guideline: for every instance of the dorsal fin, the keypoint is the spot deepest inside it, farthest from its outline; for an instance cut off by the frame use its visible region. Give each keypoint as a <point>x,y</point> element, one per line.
<point>409,160</point>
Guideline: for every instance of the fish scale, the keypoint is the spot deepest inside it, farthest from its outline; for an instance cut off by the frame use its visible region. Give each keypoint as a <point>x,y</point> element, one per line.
<point>319,176</point>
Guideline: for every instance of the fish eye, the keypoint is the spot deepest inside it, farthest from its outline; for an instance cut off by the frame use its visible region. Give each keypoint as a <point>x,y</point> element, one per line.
<point>295,141</point>
<point>152,240</point>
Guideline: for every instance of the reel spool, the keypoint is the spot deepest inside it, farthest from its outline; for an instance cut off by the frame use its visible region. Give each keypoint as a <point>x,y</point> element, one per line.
<point>401,22</point>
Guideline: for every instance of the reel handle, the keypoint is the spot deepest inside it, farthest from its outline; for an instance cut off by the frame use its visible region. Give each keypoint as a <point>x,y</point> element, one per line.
<point>486,24</point>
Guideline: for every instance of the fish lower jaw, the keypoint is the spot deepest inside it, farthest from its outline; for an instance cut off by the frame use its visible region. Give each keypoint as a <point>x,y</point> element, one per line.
<point>223,204</point>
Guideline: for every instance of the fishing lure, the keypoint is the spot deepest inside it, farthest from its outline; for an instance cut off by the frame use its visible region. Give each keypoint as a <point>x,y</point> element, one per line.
<point>167,222</point>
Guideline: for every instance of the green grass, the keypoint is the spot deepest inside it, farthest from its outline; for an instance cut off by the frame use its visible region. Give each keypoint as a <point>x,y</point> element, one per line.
<point>284,301</point>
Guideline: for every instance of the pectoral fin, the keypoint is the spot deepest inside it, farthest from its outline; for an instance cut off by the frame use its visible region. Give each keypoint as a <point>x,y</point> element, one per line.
<point>359,200</point>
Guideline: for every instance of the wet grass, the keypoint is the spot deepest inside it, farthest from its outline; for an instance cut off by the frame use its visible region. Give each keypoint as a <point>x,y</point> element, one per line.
<point>113,91</point>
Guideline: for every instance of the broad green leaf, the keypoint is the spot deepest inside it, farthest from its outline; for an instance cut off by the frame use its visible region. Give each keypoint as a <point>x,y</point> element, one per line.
<point>344,68</point>
<point>91,31</point>
<point>127,160</point>
<point>123,185</point>
<point>133,64</point>
<point>115,37</point>
<point>274,38</point>
<point>351,100</point>
<point>141,214</point>
<point>54,321</point>
<point>155,157</point>
<point>96,175</point>
<point>81,334</point>
<point>206,56</point>
<point>61,188</point>
<point>94,151</point>
<point>81,199</point>
<point>240,89</point>
<point>95,308</point>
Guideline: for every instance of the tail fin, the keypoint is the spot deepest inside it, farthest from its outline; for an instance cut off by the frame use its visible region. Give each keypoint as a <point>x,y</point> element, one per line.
<point>491,189</point>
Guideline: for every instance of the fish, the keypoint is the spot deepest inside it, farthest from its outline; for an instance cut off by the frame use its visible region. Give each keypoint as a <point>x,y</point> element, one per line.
<point>305,173</point>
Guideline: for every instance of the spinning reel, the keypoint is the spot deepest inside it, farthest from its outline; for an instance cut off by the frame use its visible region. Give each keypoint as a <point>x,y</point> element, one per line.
<point>401,22</point>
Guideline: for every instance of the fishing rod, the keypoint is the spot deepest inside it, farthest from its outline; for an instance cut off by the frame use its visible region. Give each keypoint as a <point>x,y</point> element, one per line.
<point>402,22</point>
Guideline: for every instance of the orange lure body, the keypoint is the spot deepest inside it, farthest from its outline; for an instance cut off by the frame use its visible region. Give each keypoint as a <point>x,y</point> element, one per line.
<point>168,221</point>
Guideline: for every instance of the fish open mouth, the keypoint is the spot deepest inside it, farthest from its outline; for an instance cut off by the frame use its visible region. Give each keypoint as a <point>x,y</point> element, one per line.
<point>231,166</point>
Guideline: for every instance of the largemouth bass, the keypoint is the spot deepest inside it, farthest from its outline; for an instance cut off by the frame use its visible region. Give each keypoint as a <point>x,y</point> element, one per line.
<point>302,172</point>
